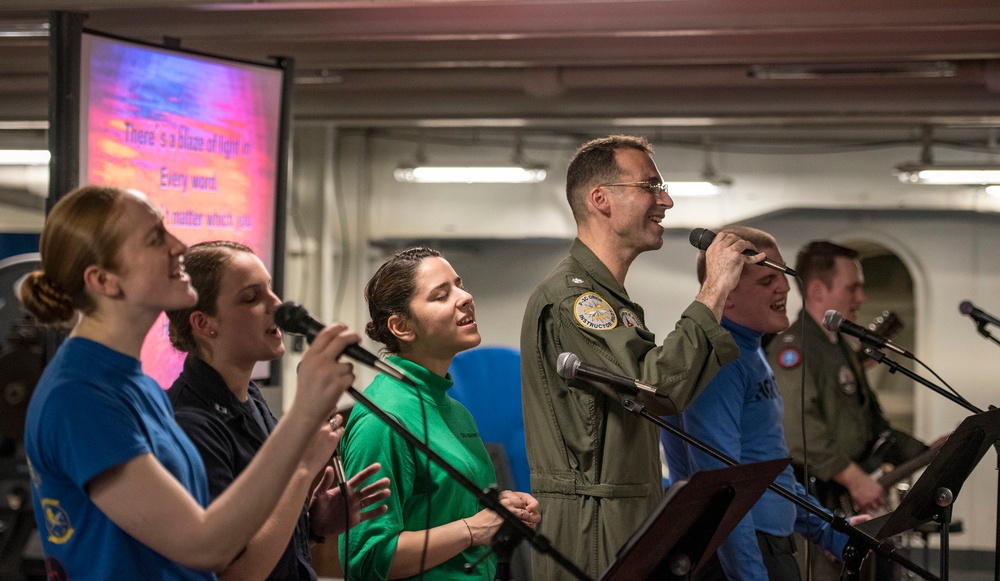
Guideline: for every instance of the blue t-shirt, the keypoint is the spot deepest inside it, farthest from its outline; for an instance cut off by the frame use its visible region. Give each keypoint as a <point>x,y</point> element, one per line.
<point>740,413</point>
<point>94,409</point>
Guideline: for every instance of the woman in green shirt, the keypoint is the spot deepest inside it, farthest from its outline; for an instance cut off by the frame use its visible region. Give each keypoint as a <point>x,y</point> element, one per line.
<point>424,317</point>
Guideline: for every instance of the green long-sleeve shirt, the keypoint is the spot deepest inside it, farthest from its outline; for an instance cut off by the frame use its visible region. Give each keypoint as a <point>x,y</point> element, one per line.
<point>452,434</point>
<point>594,465</point>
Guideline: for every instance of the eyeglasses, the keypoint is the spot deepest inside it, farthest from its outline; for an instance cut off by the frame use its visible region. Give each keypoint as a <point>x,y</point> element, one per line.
<point>652,187</point>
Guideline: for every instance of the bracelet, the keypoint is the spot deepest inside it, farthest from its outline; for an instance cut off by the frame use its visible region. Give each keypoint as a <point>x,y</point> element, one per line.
<point>471,542</point>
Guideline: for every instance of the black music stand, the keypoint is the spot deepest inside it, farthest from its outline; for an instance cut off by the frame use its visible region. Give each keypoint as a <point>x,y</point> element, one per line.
<point>934,493</point>
<point>691,521</point>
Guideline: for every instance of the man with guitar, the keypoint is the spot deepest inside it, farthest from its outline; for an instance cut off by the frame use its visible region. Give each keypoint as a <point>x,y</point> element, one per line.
<point>846,434</point>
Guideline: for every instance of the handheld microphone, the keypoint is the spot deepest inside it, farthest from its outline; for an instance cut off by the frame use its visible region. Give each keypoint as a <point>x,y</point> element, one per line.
<point>569,366</point>
<point>294,318</point>
<point>701,238</point>
<point>980,317</point>
<point>834,321</point>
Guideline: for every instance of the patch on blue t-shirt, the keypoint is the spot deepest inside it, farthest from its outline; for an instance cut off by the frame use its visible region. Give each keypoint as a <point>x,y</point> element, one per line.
<point>57,522</point>
<point>789,358</point>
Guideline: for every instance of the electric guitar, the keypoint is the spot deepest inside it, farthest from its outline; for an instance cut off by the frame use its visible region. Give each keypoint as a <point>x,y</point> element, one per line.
<point>887,476</point>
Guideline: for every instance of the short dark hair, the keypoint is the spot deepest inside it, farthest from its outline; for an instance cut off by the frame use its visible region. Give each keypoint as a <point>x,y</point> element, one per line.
<point>205,263</point>
<point>818,260</point>
<point>758,238</point>
<point>390,291</point>
<point>595,163</point>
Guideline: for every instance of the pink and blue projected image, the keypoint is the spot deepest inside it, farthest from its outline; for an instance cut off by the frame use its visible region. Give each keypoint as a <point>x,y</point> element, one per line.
<point>198,135</point>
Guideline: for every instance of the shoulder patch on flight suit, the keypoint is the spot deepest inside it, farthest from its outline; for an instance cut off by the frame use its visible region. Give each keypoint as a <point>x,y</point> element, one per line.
<point>630,319</point>
<point>789,358</point>
<point>848,382</point>
<point>593,312</point>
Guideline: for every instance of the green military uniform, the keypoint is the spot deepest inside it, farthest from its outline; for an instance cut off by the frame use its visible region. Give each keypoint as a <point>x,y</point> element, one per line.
<point>843,419</point>
<point>595,466</point>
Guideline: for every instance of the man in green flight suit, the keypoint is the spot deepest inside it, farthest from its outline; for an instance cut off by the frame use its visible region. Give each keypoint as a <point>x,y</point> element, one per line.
<point>845,428</point>
<point>595,466</point>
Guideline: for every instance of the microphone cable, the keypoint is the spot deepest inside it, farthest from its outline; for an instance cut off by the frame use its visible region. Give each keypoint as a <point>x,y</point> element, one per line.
<point>802,426</point>
<point>338,472</point>
<point>427,477</point>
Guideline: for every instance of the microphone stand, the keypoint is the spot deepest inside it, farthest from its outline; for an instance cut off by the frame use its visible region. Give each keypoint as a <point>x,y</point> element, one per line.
<point>981,327</point>
<point>853,555</point>
<point>511,532</point>
<point>893,368</point>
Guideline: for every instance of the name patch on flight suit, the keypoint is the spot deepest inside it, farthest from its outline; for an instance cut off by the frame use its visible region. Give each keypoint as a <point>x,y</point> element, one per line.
<point>593,312</point>
<point>848,382</point>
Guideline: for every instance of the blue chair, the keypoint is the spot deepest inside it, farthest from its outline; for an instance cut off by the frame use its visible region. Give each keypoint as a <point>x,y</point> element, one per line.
<point>488,384</point>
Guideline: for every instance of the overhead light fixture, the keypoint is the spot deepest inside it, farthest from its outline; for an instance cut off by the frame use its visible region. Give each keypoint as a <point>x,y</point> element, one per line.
<point>935,69</point>
<point>709,184</point>
<point>691,189</point>
<point>24,156</point>
<point>519,171</point>
<point>993,191</point>
<point>469,175</point>
<point>948,174</point>
<point>24,29</point>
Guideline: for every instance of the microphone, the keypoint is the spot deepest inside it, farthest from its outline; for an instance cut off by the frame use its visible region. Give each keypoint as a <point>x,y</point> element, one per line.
<point>569,366</point>
<point>701,238</point>
<point>294,318</point>
<point>980,317</point>
<point>834,321</point>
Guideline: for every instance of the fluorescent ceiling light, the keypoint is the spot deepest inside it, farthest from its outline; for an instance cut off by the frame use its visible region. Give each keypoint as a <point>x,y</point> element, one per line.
<point>24,156</point>
<point>935,69</point>
<point>691,189</point>
<point>470,175</point>
<point>24,29</point>
<point>949,174</point>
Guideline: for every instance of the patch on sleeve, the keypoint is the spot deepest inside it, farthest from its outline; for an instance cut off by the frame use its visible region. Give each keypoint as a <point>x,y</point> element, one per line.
<point>593,312</point>
<point>789,358</point>
<point>57,522</point>
<point>630,319</point>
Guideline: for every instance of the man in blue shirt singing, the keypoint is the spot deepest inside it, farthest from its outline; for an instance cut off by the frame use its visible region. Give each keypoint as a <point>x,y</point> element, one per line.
<point>740,414</point>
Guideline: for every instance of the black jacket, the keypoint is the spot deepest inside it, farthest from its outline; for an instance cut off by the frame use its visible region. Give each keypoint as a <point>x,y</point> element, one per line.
<point>228,437</point>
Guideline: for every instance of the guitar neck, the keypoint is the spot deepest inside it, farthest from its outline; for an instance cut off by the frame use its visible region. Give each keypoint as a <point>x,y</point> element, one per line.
<point>890,479</point>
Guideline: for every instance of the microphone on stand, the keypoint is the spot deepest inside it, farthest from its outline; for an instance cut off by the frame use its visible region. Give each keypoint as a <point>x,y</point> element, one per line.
<point>980,317</point>
<point>294,318</point>
<point>834,321</point>
<point>569,366</point>
<point>701,238</point>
